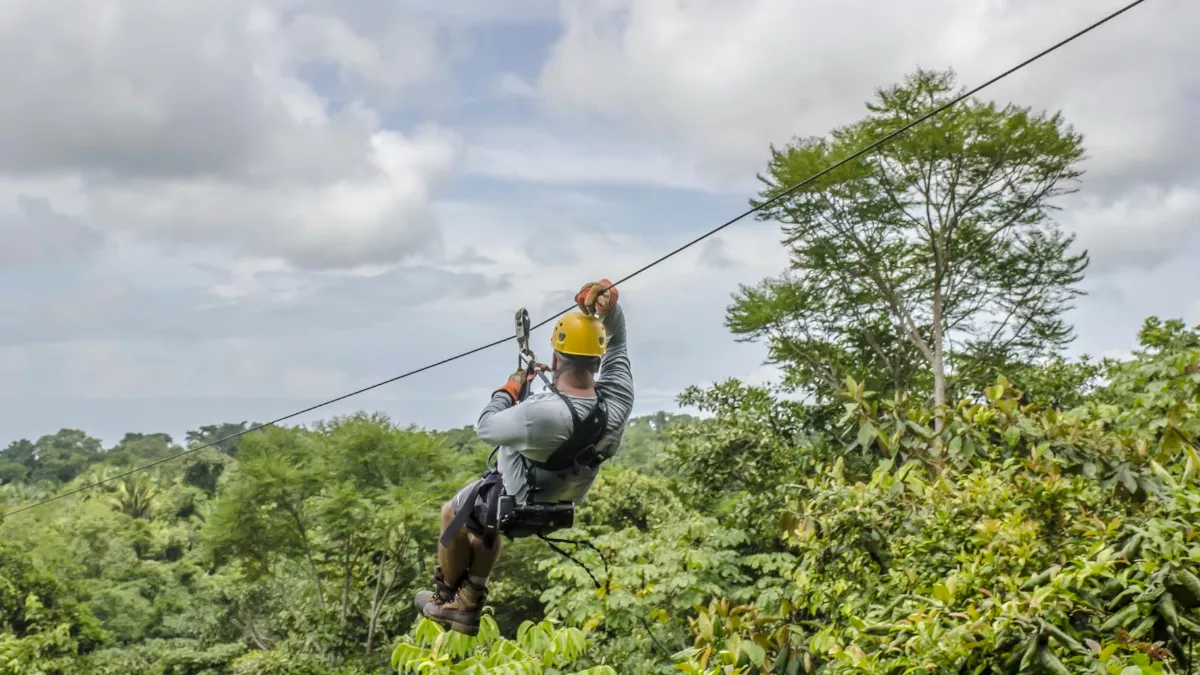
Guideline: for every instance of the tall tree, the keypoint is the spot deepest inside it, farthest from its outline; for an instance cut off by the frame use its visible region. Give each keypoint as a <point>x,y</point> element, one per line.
<point>64,455</point>
<point>218,435</point>
<point>933,258</point>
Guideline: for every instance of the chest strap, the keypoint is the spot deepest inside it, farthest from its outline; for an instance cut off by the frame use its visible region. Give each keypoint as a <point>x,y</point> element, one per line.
<point>580,447</point>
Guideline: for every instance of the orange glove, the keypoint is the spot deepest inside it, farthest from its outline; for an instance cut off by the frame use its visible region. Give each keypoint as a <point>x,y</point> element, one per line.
<point>597,297</point>
<point>518,380</point>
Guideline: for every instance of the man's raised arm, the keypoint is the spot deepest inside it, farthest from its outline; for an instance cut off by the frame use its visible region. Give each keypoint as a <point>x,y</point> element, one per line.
<point>616,377</point>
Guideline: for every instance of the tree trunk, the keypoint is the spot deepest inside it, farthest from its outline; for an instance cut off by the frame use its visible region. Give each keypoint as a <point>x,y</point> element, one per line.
<point>308,553</point>
<point>938,363</point>
<point>376,604</point>
<point>312,565</point>
<point>347,578</point>
<point>250,630</point>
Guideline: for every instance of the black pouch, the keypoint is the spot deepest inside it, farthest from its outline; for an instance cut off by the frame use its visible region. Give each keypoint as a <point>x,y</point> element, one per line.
<point>533,519</point>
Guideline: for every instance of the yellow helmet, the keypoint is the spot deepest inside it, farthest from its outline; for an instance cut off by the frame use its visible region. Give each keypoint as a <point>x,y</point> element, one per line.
<point>580,335</point>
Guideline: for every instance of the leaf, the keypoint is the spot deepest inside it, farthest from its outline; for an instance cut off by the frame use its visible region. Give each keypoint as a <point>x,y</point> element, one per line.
<point>754,652</point>
<point>1161,473</point>
<point>922,431</point>
<point>866,434</point>
<point>1011,436</point>
<point>1128,480</point>
<point>706,626</point>
<point>956,445</point>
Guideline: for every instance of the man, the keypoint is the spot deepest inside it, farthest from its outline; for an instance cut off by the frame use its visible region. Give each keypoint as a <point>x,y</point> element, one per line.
<point>527,433</point>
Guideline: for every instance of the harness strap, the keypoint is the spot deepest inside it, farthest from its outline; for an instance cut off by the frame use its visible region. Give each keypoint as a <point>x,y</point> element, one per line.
<point>468,509</point>
<point>491,521</point>
<point>585,434</point>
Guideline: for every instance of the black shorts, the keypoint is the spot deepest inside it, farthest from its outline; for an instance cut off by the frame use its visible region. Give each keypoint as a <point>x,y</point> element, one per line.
<point>478,509</point>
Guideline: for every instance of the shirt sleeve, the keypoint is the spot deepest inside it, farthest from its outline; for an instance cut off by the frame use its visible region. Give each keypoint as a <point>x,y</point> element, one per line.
<point>502,423</point>
<point>616,377</point>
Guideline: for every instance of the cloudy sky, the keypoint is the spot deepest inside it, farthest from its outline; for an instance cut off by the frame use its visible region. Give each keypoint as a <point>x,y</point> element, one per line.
<point>219,210</point>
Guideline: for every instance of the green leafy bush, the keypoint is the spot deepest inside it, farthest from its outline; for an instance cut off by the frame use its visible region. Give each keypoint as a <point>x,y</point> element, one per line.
<point>538,649</point>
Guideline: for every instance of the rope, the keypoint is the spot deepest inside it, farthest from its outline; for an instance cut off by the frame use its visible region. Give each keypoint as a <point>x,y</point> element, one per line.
<point>579,542</point>
<point>779,197</point>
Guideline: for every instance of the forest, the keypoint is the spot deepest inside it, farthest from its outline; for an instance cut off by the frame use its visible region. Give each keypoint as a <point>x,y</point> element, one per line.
<point>935,486</point>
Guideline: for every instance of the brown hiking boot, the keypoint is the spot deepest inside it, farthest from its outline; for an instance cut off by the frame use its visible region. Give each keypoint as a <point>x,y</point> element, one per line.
<point>462,614</point>
<point>442,594</point>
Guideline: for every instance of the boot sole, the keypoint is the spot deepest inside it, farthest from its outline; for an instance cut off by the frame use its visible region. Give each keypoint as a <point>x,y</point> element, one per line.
<point>464,628</point>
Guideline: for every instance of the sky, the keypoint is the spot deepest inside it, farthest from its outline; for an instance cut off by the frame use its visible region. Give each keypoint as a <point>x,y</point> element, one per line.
<point>221,210</point>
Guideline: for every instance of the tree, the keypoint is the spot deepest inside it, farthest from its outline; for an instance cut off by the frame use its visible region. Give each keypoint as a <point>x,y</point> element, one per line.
<point>20,452</point>
<point>934,257</point>
<point>135,495</point>
<point>137,448</point>
<point>64,455</point>
<point>218,435</point>
<point>44,621</point>
<point>11,472</point>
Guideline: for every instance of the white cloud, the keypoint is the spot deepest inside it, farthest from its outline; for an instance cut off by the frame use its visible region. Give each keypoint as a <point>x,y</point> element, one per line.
<point>536,155</point>
<point>491,12</point>
<point>728,77</point>
<point>376,218</point>
<point>732,77</point>
<point>408,56</point>
<point>1136,228</point>
<point>510,84</point>
<point>190,124</point>
<point>719,80</point>
<point>37,233</point>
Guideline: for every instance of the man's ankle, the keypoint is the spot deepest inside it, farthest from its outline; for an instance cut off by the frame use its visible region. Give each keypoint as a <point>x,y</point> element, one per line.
<point>481,582</point>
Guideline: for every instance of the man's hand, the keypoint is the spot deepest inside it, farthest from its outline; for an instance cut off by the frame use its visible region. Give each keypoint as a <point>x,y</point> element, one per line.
<point>519,379</point>
<point>597,297</point>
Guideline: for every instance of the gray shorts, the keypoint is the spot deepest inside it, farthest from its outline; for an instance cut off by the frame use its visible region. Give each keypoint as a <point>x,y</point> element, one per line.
<point>478,509</point>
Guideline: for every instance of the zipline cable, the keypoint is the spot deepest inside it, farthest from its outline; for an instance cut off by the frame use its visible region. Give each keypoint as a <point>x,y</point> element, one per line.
<point>786,193</point>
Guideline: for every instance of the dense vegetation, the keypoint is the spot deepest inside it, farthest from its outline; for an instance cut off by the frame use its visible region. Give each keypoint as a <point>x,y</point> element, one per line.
<point>949,495</point>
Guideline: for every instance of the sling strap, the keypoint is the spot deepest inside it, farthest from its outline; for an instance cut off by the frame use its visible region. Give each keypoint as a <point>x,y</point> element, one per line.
<point>490,479</point>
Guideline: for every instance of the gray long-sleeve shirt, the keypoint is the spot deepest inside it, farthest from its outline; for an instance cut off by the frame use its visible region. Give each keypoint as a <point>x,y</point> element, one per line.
<point>541,423</point>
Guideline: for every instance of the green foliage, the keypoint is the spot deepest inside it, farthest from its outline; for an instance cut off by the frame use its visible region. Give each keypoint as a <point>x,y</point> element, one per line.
<point>645,443</point>
<point>300,553</point>
<point>650,583</point>
<point>12,472</point>
<point>44,620</point>
<point>538,648</point>
<point>218,436</point>
<point>1045,521</point>
<point>736,463</point>
<point>141,449</point>
<point>1021,537</point>
<point>1050,523</point>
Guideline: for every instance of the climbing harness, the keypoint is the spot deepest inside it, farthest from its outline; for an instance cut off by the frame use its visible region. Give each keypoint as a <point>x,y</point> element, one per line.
<point>503,515</point>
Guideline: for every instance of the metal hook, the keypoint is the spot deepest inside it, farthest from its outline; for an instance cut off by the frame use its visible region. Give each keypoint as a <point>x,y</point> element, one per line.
<point>522,332</point>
